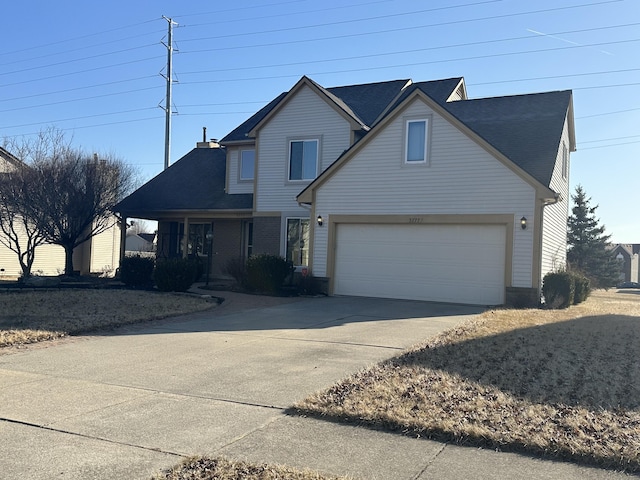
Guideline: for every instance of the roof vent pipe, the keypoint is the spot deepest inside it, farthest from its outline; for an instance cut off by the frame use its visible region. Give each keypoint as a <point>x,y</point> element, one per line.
<point>204,134</point>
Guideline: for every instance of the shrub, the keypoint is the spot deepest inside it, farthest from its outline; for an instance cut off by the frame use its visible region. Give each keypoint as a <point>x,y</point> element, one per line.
<point>175,274</point>
<point>558,289</point>
<point>137,271</point>
<point>266,273</point>
<point>200,266</point>
<point>236,268</point>
<point>582,288</point>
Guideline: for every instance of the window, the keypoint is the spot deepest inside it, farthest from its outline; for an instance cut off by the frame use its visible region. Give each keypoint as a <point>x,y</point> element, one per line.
<point>197,243</point>
<point>565,160</point>
<point>303,159</point>
<point>416,144</point>
<point>247,164</point>
<point>248,239</point>
<point>298,241</point>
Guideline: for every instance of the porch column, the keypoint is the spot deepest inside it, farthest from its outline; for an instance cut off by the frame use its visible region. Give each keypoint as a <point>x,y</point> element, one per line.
<point>185,238</point>
<point>123,237</point>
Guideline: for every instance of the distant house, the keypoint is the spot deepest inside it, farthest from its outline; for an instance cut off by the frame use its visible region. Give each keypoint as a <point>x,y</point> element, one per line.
<point>140,242</point>
<point>101,254</point>
<point>628,254</point>
<point>391,189</point>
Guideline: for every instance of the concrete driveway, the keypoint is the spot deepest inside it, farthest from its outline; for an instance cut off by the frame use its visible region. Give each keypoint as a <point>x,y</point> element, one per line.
<point>130,403</point>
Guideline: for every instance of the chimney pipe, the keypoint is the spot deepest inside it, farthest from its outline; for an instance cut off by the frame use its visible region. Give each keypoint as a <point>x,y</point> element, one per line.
<point>204,134</point>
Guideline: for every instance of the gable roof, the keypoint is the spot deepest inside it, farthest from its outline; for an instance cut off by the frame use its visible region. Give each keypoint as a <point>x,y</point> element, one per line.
<point>523,131</point>
<point>9,158</point>
<point>368,101</point>
<point>364,103</point>
<point>241,132</point>
<point>526,129</point>
<point>195,182</point>
<point>147,237</point>
<point>629,248</point>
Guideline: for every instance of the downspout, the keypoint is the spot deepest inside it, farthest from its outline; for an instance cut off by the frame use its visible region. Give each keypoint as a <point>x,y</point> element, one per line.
<point>538,247</point>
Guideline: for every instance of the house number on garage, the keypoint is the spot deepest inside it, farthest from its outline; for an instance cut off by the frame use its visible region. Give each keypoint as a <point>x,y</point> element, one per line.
<point>415,220</point>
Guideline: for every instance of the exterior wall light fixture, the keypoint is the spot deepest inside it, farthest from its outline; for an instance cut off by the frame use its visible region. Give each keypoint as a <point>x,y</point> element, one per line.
<point>320,220</point>
<point>523,223</point>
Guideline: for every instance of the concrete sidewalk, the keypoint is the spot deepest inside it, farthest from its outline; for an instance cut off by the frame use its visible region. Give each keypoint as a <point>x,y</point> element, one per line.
<point>131,403</point>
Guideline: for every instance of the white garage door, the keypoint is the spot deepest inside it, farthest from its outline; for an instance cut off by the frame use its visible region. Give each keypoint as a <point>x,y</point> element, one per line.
<point>442,263</point>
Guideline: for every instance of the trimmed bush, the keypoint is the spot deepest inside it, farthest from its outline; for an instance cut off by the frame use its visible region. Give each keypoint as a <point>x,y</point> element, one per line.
<point>266,273</point>
<point>175,274</point>
<point>582,288</point>
<point>558,289</point>
<point>137,271</point>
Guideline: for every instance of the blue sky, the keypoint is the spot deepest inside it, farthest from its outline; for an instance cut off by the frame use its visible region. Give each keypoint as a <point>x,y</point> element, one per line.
<point>95,71</point>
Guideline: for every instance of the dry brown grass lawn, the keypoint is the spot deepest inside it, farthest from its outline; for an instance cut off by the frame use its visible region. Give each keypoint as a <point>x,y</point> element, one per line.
<point>223,469</point>
<point>33,316</point>
<point>559,383</point>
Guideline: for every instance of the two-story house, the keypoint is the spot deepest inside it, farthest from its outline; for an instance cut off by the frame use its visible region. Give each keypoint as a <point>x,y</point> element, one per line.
<point>393,189</point>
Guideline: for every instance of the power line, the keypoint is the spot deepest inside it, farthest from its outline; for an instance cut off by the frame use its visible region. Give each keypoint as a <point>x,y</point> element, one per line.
<point>608,146</point>
<point>610,139</point>
<point>244,19</point>
<point>77,99</point>
<point>84,47</point>
<point>452,22</point>
<point>102,67</point>
<point>402,52</point>
<point>96,85</point>
<point>65,62</point>
<point>608,113</point>
<point>79,118</point>
<point>87,126</point>
<point>82,37</point>
<point>218,12</point>
<point>413,64</point>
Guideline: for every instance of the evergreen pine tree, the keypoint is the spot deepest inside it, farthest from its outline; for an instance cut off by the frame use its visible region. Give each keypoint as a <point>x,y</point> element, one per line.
<point>589,251</point>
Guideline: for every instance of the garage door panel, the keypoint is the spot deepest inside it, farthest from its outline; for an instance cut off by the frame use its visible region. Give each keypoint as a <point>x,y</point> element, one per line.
<point>449,263</point>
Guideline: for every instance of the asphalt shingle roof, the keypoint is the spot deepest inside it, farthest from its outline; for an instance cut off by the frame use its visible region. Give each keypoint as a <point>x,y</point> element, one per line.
<point>240,132</point>
<point>369,100</point>
<point>525,128</point>
<point>195,182</point>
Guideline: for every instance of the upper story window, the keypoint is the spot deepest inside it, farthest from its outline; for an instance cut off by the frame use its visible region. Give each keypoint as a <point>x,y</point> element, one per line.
<point>303,159</point>
<point>416,141</point>
<point>565,160</point>
<point>247,164</point>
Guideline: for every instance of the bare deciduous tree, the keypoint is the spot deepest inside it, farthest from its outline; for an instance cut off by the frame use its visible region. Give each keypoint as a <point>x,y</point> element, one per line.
<point>71,192</point>
<point>18,232</point>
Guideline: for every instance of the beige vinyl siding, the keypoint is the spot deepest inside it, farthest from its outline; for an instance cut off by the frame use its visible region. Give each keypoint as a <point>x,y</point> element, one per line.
<point>105,251</point>
<point>274,193</point>
<point>234,184</point>
<point>554,226</point>
<point>460,178</point>
<point>49,261</point>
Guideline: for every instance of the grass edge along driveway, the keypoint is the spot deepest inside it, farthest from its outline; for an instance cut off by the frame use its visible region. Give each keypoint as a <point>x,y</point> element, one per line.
<point>32,316</point>
<point>562,384</point>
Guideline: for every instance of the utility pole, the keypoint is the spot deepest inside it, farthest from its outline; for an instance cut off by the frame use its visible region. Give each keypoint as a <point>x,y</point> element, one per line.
<point>169,78</point>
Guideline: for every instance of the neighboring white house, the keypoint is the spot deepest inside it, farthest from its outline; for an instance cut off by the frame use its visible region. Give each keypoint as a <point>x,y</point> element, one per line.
<point>140,243</point>
<point>101,254</point>
<point>392,189</point>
